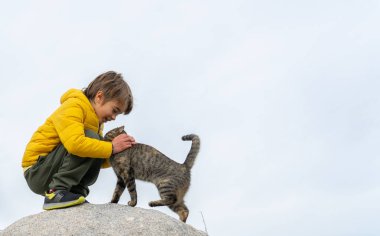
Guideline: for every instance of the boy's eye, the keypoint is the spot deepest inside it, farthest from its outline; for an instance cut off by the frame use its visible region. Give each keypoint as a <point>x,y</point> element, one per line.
<point>116,111</point>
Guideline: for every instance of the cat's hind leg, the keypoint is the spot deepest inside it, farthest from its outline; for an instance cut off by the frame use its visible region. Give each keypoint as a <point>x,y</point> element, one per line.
<point>168,196</point>
<point>181,210</point>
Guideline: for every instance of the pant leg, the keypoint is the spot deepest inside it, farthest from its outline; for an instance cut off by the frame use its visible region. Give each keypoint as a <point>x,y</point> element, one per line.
<point>39,176</point>
<point>93,172</point>
<point>77,173</point>
<point>62,170</point>
<point>89,178</point>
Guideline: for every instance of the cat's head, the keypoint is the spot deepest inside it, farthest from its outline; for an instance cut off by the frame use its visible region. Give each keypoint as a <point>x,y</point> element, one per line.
<point>110,135</point>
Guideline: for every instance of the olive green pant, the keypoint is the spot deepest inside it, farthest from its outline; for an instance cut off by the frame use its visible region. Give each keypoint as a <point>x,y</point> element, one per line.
<point>61,170</point>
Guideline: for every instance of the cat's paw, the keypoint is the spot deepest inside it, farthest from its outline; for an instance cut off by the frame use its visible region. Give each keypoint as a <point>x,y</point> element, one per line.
<point>132,203</point>
<point>151,204</point>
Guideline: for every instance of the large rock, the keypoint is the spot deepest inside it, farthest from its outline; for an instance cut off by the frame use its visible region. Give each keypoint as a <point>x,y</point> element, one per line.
<point>104,219</point>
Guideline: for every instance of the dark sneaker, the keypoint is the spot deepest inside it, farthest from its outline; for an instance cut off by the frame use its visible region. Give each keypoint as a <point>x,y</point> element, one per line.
<point>61,199</point>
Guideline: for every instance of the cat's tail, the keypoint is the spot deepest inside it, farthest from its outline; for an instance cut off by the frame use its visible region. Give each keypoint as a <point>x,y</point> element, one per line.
<point>195,146</point>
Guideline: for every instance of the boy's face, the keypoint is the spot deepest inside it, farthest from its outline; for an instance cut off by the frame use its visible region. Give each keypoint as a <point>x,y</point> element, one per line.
<point>106,111</point>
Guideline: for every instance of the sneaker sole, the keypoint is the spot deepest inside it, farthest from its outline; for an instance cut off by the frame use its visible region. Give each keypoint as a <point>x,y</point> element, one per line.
<point>52,206</point>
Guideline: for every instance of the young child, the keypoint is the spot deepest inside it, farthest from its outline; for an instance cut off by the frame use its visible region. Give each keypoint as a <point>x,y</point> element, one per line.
<point>65,154</point>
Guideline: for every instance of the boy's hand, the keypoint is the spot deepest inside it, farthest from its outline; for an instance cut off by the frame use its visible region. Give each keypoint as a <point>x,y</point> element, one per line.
<point>122,142</point>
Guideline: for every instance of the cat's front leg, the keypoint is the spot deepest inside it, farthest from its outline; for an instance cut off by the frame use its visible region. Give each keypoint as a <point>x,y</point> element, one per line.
<point>132,203</point>
<point>131,185</point>
<point>119,189</point>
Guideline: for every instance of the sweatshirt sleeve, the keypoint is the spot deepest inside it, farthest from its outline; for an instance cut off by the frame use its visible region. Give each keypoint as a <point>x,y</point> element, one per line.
<point>69,123</point>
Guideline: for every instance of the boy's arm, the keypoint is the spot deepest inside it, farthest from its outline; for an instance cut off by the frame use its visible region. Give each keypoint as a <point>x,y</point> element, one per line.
<point>69,123</point>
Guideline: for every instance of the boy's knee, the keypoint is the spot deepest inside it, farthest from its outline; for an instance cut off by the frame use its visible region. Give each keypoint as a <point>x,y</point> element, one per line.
<point>34,184</point>
<point>91,134</point>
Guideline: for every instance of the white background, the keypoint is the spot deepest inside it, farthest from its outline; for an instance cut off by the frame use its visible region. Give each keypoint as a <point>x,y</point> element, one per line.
<point>284,95</point>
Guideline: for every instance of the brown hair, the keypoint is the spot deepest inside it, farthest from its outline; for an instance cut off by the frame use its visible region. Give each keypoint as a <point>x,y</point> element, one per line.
<point>113,87</point>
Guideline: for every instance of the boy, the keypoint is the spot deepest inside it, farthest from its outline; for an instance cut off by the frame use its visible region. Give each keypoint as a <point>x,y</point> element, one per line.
<point>65,154</point>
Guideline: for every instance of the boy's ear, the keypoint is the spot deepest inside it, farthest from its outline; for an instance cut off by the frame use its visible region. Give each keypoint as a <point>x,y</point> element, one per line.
<point>99,96</point>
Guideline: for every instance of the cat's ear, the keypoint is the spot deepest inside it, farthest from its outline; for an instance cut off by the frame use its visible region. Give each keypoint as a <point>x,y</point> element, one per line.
<point>121,128</point>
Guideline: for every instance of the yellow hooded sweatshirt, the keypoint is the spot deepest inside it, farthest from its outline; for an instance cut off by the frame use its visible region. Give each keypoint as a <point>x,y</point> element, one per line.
<point>67,125</point>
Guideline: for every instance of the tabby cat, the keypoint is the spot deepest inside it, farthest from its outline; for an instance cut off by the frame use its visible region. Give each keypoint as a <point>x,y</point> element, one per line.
<point>144,162</point>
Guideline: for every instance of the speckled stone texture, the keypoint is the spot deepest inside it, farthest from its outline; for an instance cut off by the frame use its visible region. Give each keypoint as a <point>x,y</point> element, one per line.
<point>102,219</point>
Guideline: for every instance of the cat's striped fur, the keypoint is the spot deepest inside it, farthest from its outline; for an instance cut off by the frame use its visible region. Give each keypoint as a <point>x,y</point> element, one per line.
<point>146,163</point>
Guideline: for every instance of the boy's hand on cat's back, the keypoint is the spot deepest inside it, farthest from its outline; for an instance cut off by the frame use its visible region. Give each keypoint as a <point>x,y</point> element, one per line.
<point>122,142</point>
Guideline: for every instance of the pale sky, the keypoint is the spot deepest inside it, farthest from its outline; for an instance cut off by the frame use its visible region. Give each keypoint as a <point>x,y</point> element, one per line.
<point>283,94</point>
